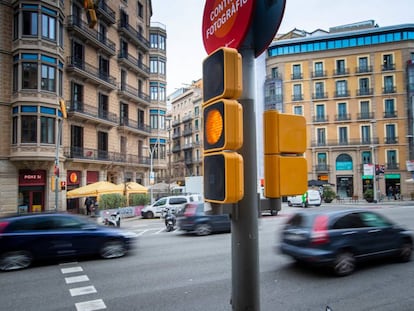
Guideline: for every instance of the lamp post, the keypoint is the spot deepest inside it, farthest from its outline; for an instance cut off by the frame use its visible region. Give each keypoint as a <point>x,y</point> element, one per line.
<point>151,177</point>
<point>374,174</point>
<point>62,105</point>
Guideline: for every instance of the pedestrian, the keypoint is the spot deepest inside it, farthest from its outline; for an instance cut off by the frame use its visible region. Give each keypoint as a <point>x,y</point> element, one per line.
<point>88,206</point>
<point>390,193</point>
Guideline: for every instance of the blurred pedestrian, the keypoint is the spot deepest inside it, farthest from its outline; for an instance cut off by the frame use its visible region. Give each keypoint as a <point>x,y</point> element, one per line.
<point>88,202</point>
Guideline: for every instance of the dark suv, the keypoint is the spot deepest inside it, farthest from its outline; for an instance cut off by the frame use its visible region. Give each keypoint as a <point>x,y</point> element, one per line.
<point>28,237</point>
<point>341,238</point>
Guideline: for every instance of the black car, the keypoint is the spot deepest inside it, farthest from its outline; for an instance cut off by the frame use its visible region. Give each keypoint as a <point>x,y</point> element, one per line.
<point>339,239</point>
<point>196,217</point>
<point>29,237</point>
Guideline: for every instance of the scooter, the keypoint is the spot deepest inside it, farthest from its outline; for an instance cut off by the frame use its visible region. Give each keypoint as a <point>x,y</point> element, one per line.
<point>113,220</point>
<point>170,220</point>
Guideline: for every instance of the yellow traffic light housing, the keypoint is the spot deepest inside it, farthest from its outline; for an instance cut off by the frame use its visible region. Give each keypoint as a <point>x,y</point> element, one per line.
<point>223,125</point>
<point>63,108</point>
<point>223,177</point>
<point>285,168</point>
<point>222,75</point>
<point>91,17</point>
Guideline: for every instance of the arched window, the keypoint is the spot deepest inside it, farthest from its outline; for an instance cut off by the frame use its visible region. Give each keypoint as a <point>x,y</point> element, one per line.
<point>344,162</point>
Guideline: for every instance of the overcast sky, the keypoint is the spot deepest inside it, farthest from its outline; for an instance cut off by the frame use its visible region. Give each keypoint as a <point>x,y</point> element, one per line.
<point>183,18</point>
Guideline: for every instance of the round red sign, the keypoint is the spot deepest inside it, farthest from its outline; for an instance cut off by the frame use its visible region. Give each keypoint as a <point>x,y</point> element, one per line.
<point>226,22</point>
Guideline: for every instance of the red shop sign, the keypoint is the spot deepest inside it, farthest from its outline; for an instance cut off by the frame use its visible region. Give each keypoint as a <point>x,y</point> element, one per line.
<point>32,178</point>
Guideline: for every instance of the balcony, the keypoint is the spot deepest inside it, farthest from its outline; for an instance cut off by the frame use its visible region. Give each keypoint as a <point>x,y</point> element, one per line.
<point>345,142</point>
<point>81,30</point>
<point>390,114</point>
<point>78,154</point>
<point>392,166</point>
<point>133,64</point>
<point>363,69</point>
<point>365,115</point>
<point>176,148</point>
<point>132,34</point>
<point>319,74</point>
<point>297,97</point>
<point>90,73</point>
<point>341,72</point>
<point>322,168</point>
<point>344,93</point>
<point>343,117</point>
<point>320,119</point>
<point>388,67</point>
<point>365,92</point>
<point>105,13</point>
<point>189,146</point>
<point>319,96</point>
<point>133,127</point>
<point>273,101</point>
<point>188,131</point>
<point>297,76</point>
<point>79,111</point>
<point>389,90</point>
<point>130,93</point>
<point>390,140</point>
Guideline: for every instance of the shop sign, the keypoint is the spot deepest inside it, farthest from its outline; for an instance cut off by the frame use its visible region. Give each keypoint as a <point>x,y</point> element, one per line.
<point>392,176</point>
<point>73,178</point>
<point>32,178</point>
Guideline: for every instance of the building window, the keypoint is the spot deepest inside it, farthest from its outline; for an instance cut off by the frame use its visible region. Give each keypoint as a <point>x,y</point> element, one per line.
<point>322,162</point>
<point>29,129</point>
<point>15,130</point>
<point>48,78</point>
<point>29,76</point>
<point>298,110</point>
<point>340,67</point>
<point>103,106</point>
<point>321,137</point>
<point>363,64</point>
<point>389,111</point>
<point>364,109</point>
<point>47,130</point>
<point>341,88</point>
<point>387,62</point>
<point>48,27</point>
<point>102,145</point>
<point>140,9</point>
<point>389,84</point>
<point>154,92</point>
<point>320,113</point>
<point>319,90</point>
<point>318,66</point>
<point>364,86</point>
<point>30,23</point>
<point>366,134</point>
<point>392,162</point>
<point>297,92</point>
<point>366,157</point>
<point>343,135</point>
<point>342,111</point>
<point>296,71</point>
<point>390,134</point>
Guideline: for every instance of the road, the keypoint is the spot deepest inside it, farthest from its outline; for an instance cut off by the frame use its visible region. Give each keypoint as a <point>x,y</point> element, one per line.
<point>173,271</point>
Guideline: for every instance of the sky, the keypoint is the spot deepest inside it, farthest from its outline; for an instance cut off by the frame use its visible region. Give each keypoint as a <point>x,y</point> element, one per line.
<point>183,19</point>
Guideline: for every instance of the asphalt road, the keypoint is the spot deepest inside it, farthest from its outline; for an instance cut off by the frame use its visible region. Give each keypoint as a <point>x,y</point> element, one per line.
<point>172,271</point>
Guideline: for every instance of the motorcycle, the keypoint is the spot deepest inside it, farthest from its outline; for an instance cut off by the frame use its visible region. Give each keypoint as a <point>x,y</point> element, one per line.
<point>170,220</point>
<point>113,220</point>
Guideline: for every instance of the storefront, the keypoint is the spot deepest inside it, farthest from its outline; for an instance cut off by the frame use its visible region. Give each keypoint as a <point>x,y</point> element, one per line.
<point>32,185</point>
<point>73,182</point>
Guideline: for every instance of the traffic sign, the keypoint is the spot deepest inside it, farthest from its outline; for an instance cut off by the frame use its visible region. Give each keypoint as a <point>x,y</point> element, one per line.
<point>226,23</point>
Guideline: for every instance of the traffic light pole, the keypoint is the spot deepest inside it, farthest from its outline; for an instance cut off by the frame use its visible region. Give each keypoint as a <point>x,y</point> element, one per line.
<point>244,222</point>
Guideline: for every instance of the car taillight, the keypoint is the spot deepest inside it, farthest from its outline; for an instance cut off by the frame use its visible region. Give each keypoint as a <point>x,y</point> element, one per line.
<point>3,225</point>
<point>320,230</point>
<point>190,211</point>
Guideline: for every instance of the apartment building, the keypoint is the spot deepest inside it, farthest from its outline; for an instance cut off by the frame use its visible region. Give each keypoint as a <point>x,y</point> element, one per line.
<point>186,132</point>
<point>354,84</point>
<point>103,74</point>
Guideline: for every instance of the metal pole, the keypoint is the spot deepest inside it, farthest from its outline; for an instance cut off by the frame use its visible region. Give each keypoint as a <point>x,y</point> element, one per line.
<point>244,221</point>
<point>151,174</point>
<point>59,135</point>
<point>374,175</point>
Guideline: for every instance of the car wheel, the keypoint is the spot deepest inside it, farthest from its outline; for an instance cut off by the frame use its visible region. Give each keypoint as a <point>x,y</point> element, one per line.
<point>406,251</point>
<point>289,204</point>
<point>344,263</point>
<point>113,249</point>
<point>15,260</point>
<point>149,215</point>
<point>273,212</point>
<point>203,229</point>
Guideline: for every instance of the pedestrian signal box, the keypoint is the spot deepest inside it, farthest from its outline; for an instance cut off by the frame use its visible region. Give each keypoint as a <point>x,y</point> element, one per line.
<point>285,168</point>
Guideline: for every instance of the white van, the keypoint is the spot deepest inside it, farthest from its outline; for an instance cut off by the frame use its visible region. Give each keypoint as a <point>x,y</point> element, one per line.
<point>173,203</point>
<point>312,197</point>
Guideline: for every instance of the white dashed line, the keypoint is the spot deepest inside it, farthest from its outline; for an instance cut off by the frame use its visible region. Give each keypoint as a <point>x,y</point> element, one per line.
<point>90,305</point>
<point>82,290</point>
<point>71,270</point>
<point>76,279</point>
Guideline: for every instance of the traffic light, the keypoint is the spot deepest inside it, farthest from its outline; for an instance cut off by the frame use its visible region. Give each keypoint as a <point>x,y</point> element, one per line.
<point>90,12</point>
<point>63,108</point>
<point>285,168</point>
<point>223,127</point>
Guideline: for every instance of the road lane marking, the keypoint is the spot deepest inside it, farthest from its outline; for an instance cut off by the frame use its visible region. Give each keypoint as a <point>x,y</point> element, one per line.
<point>76,279</point>
<point>90,305</point>
<point>78,291</point>
<point>71,270</point>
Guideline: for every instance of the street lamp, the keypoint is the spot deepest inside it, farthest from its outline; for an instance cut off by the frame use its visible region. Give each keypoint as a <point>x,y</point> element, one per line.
<point>374,173</point>
<point>152,177</point>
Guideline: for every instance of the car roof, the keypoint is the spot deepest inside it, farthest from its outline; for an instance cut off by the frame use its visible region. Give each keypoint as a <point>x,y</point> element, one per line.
<point>332,213</point>
<point>31,215</point>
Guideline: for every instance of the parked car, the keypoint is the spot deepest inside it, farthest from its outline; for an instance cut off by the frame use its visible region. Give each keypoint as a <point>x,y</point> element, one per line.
<point>172,203</point>
<point>340,239</point>
<point>30,237</point>
<point>311,197</point>
<point>196,217</point>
